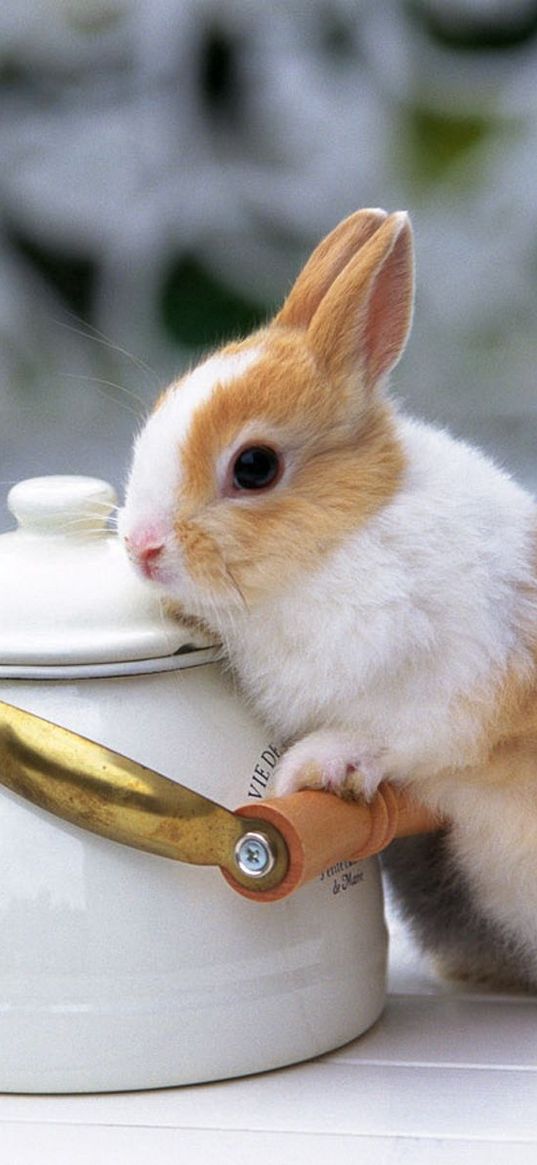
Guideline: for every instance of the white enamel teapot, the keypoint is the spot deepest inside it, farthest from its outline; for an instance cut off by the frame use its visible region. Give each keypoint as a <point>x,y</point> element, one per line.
<point>119,968</point>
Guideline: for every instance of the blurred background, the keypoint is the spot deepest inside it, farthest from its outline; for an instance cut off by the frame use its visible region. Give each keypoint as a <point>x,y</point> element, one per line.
<point>167,166</point>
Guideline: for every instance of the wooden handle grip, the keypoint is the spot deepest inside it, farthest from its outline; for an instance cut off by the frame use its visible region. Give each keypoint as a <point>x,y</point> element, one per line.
<point>320,829</point>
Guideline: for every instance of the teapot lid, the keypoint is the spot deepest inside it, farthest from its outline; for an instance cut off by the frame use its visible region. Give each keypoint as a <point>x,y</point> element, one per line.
<point>68,594</point>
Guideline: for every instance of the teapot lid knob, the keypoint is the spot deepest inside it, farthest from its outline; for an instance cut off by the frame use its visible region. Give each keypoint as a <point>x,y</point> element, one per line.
<point>62,504</point>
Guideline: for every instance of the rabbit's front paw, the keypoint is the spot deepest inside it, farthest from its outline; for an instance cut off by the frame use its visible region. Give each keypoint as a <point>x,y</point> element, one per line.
<point>329,760</point>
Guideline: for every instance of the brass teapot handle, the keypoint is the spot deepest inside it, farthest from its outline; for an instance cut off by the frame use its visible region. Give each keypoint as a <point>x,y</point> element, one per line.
<point>264,855</point>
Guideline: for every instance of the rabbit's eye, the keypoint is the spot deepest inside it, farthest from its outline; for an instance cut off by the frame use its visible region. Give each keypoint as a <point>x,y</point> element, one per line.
<point>256,467</point>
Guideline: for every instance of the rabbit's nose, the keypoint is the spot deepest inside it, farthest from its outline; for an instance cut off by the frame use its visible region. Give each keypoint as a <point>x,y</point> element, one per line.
<point>145,548</point>
<point>148,560</point>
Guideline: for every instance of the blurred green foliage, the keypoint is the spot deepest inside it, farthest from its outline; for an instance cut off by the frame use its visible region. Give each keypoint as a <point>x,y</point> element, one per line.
<point>200,312</point>
<point>436,141</point>
<point>73,276</point>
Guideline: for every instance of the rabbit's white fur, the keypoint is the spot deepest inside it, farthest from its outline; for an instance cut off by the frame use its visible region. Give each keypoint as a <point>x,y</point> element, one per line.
<point>379,606</point>
<point>420,606</point>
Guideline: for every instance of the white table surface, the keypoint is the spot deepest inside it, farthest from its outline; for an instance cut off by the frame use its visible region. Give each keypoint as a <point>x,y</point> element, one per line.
<point>445,1076</point>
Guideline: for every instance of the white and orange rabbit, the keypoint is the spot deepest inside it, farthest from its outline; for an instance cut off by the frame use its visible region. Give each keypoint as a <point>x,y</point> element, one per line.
<point>373,582</point>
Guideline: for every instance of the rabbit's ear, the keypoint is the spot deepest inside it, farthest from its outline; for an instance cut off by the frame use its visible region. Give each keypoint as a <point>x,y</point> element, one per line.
<point>325,264</point>
<point>362,323</point>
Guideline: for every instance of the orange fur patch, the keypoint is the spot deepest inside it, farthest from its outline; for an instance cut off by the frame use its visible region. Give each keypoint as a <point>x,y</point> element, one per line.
<point>513,725</point>
<point>332,495</point>
<point>341,473</point>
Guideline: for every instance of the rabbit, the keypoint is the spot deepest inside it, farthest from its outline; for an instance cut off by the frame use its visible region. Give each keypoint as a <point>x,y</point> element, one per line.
<point>372,581</point>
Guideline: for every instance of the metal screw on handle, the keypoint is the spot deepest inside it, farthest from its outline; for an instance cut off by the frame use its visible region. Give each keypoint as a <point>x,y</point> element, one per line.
<point>254,855</point>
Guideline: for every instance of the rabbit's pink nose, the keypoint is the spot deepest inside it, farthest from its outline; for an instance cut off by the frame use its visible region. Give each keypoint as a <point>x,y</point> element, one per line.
<point>145,548</point>
<point>148,559</point>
